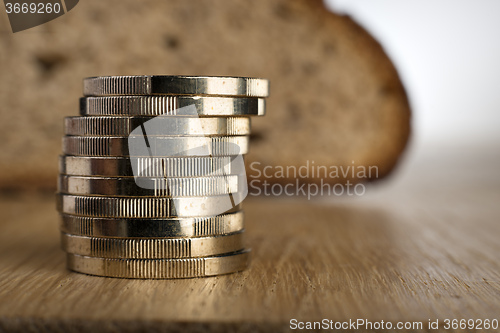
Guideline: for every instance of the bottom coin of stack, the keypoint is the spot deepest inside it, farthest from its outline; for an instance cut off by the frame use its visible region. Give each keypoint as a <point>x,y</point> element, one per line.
<point>146,191</point>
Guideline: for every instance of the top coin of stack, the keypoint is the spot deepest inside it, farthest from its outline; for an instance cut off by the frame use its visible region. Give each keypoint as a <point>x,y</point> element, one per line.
<point>152,175</point>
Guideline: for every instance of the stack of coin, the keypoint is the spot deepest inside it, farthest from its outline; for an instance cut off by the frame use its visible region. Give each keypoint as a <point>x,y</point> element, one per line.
<point>152,175</point>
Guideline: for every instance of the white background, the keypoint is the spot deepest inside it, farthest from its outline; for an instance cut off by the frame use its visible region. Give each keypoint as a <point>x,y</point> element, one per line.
<point>448,55</point>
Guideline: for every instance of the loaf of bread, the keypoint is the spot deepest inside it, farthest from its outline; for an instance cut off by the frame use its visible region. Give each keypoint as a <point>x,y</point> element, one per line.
<point>336,102</point>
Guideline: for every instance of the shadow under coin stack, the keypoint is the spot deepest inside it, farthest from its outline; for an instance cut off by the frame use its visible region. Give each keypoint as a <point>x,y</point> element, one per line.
<point>152,175</point>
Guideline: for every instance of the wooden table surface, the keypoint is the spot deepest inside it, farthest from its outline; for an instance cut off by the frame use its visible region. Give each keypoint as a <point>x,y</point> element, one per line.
<point>422,245</point>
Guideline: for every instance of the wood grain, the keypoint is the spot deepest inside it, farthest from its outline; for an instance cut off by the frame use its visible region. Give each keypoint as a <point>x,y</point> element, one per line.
<point>416,248</point>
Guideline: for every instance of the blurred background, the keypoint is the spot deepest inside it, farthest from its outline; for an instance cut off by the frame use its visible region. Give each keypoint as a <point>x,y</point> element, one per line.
<point>447,54</point>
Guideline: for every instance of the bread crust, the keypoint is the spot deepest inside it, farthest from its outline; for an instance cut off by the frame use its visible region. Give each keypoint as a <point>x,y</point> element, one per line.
<point>368,116</point>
